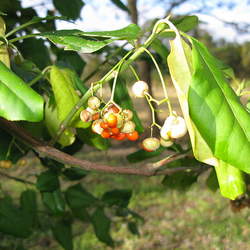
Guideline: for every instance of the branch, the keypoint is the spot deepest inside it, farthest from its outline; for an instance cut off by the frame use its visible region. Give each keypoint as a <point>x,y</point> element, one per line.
<point>44,150</point>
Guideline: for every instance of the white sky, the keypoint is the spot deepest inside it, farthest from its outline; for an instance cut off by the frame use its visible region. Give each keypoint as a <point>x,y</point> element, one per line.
<point>103,15</point>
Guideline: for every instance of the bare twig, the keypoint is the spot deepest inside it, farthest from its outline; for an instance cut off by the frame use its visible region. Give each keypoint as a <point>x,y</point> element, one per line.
<point>16,178</point>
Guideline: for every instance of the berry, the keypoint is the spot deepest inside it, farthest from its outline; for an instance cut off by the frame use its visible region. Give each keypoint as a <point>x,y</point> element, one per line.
<point>96,126</point>
<point>104,125</point>
<point>174,127</point>
<point>94,102</point>
<point>105,134</point>
<point>139,88</point>
<point>150,144</point>
<point>166,143</point>
<point>111,120</point>
<point>95,116</point>
<point>85,116</point>
<point>115,131</point>
<point>133,136</point>
<point>128,127</point>
<point>127,114</point>
<point>120,136</point>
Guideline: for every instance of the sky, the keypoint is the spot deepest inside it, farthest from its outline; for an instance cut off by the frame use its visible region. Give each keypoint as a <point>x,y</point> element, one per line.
<point>103,15</point>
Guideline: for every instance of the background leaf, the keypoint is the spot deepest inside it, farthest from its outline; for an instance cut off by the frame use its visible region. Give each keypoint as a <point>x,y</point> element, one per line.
<point>70,9</point>
<point>102,225</point>
<point>47,181</point>
<point>120,5</point>
<point>118,197</point>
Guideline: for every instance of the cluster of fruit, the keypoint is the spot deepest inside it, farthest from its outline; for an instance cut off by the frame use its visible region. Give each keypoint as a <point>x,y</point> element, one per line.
<point>173,128</point>
<point>110,122</point>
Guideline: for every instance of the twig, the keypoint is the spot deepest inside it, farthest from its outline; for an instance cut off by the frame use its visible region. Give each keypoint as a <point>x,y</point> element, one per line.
<point>44,150</point>
<point>16,178</point>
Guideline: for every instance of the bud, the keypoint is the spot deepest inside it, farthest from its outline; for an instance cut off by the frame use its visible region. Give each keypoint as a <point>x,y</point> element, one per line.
<point>94,102</point>
<point>166,143</point>
<point>150,144</point>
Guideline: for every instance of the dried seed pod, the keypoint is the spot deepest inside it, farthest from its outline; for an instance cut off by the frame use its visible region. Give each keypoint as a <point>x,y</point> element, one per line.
<point>151,144</point>
<point>94,102</point>
<point>166,143</point>
<point>85,116</point>
<point>128,127</point>
<point>127,114</point>
<point>96,126</point>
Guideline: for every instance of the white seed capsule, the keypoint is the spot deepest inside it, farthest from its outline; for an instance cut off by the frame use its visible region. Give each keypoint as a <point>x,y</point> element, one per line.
<point>128,127</point>
<point>166,143</point>
<point>96,126</point>
<point>175,127</point>
<point>94,102</point>
<point>128,114</point>
<point>85,116</point>
<point>150,144</point>
<point>139,88</point>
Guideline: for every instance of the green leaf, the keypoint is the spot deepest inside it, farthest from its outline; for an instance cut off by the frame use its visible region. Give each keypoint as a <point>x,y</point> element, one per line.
<point>123,98</point>
<point>186,23</point>
<point>10,148</point>
<point>180,180</point>
<point>71,9</point>
<point>35,50</point>
<point>63,86</point>
<point>142,155</point>
<point>132,227</point>
<point>80,41</point>
<point>212,181</point>
<point>17,100</point>
<point>118,197</point>
<point>87,136</point>
<point>158,46</point>
<point>13,220</point>
<point>54,201</point>
<point>72,60</point>
<point>217,112</point>
<point>78,197</point>
<point>53,123</point>
<point>102,225</point>
<point>120,5</point>
<point>47,181</point>
<point>231,181</point>
<point>74,173</point>
<point>28,204</point>
<point>181,69</point>
<point>63,234</point>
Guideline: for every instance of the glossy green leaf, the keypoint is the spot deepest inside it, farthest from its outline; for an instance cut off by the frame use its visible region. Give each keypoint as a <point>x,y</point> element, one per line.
<point>123,98</point>
<point>63,83</point>
<point>63,234</point>
<point>87,136</point>
<point>80,41</point>
<point>54,201</point>
<point>17,100</point>
<point>4,54</point>
<point>70,9</point>
<point>53,123</point>
<point>102,225</point>
<point>47,181</point>
<point>78,197</point>
<point>217,112</point>
<point>118,197</point>
<point>181,69</point>
<point>142,155</point>
<point>120,5</point>
<point>231,181</point>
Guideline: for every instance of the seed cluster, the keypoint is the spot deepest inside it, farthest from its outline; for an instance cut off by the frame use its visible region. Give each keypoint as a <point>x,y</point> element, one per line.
<point>110,123</point>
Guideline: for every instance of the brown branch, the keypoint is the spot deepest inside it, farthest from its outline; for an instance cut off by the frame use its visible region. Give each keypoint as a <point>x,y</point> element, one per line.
<point>44,150</point>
